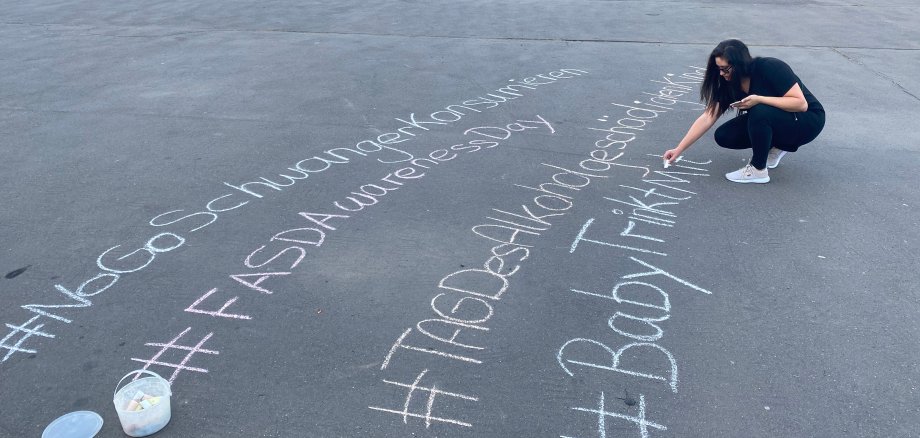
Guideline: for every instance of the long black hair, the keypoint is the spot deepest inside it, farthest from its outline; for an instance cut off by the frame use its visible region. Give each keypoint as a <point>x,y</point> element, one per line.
<point>716,92</point>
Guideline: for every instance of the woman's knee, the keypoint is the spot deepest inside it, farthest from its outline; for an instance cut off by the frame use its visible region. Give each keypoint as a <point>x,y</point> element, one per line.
<point>725,137</point>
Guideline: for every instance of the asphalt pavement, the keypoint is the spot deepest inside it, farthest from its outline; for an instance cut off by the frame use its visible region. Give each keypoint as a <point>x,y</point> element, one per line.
<point>451,219</point>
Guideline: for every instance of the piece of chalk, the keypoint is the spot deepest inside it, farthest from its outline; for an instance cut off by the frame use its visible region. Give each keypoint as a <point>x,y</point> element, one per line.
<point>138,396</point>
<point>146,404</point>
<point>132,405</point>
<point>666,163</point>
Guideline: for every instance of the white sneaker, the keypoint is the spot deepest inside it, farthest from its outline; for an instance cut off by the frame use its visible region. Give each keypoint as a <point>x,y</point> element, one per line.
<point>749,174</point>
<point>774,156</point>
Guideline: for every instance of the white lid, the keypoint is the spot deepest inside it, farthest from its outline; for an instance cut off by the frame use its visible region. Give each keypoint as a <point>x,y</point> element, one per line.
<point>78,424</point>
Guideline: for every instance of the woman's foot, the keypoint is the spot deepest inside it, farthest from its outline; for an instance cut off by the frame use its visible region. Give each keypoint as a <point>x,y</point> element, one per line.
<point>774,156</point>
<point>749,174</point>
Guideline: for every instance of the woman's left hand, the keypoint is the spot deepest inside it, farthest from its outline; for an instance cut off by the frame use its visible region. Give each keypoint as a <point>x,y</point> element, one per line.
<point>748,102</point>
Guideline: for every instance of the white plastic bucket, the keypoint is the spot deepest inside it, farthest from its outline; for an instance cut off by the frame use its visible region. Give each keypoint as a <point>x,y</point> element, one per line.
<point>147,421</point>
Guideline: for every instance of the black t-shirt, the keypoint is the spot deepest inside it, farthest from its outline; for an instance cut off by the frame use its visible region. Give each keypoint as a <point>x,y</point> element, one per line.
<point>772,77</point>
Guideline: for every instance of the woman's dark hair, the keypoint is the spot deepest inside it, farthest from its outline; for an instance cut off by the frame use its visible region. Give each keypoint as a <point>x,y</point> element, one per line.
<point>716,92</point>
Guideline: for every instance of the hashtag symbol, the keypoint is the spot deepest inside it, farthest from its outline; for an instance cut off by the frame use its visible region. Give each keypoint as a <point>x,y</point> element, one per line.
<point>171,345</point>
<point>603,415</point>
<point>26,333</point>
<point>433,392</point>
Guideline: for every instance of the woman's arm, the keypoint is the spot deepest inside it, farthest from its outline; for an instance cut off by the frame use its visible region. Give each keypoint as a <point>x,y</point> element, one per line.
<point>793,101</point>
<point>697,129</point>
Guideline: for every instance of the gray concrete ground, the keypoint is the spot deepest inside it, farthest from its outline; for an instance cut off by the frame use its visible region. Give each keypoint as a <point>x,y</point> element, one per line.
<point>146,222</point>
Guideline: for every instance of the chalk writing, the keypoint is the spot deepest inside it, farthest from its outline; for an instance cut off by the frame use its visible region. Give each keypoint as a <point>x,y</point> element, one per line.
<point>614,360</point>
<point>409,128</point>
<point>489,283</point>
<point>646,342</point>
<point>217,313</point>
<point>639,420</point>
<point>25,332</point>
<point>581,238</point>
<point>516,231</point>
<point>171,345</point>
<point>432,392</point>
<point>645,209</point>
<point>400,344</point>
<point>296,240</point>
<point>370,194</point>
<point>467,298</point>
<point>465,305</point>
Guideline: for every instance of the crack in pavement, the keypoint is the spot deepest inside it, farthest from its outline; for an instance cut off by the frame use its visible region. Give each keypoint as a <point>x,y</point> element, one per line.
<point>856,61</point>
<point>463,37</point>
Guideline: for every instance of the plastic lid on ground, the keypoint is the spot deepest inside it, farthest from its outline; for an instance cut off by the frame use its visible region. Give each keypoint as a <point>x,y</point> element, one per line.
<point>79,424</point>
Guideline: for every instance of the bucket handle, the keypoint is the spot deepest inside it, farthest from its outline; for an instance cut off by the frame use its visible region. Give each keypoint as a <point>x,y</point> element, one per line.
<point>142,372</point>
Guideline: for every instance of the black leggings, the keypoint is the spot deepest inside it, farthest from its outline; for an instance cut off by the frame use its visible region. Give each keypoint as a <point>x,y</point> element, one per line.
<point>764,126</point>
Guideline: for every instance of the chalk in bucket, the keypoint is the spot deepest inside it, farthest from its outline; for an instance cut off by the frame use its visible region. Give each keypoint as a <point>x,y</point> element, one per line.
<point>143,405</point>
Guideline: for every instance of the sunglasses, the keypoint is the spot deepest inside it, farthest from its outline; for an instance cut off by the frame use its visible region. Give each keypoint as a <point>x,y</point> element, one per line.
<point>727,69</point>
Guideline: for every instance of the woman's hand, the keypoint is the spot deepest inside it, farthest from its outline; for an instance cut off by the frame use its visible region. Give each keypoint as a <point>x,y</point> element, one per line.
<point>671,154</point>
<point>747,103</point>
